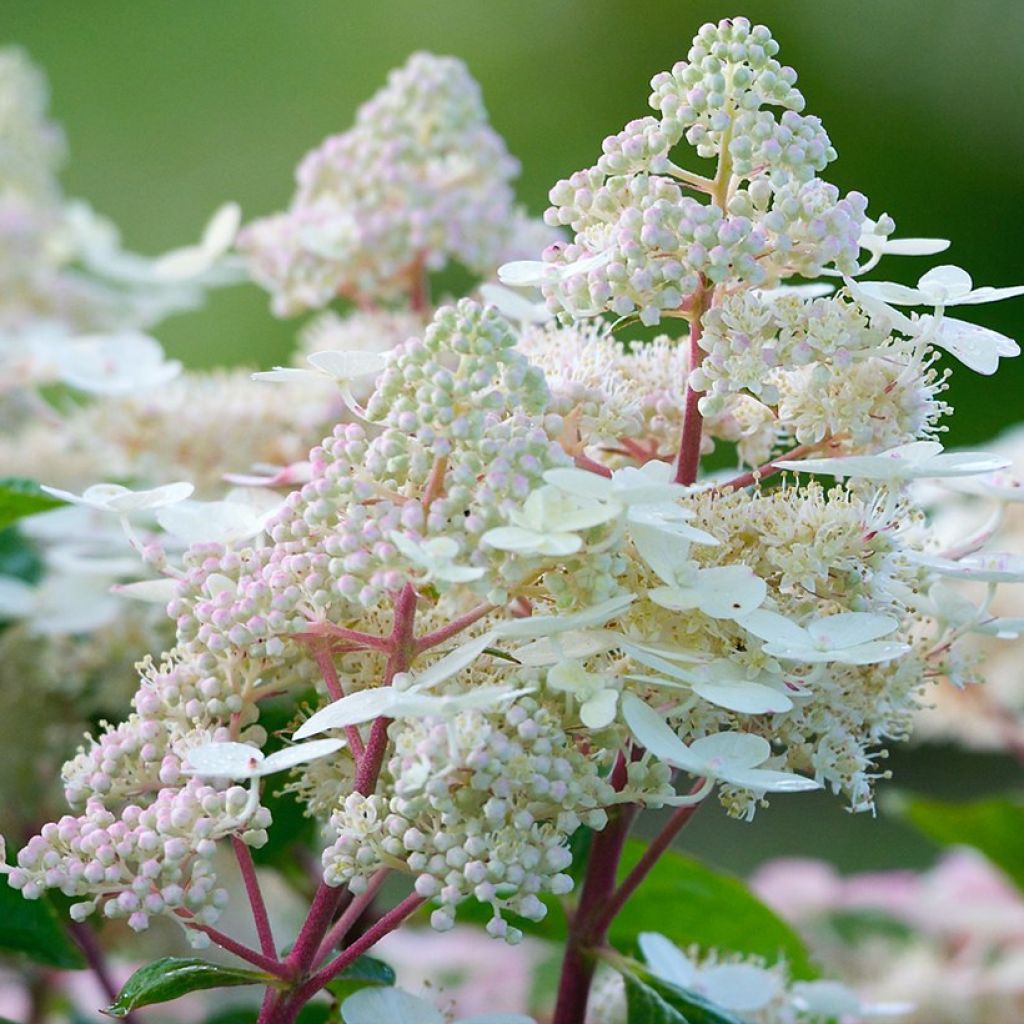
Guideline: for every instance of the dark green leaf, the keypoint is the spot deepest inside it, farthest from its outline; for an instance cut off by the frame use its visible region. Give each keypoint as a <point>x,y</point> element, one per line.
<point>645,1006</point>
<point>292,827</point>
<point>994,825</point>
<point>171,977</point>
<point>696,1009</point>
<point>32,927</point>
<point>311,1013</point>
<point>361,973</point>
<point>690,903</point>
<point>20,497</point>
<point>18,557</point>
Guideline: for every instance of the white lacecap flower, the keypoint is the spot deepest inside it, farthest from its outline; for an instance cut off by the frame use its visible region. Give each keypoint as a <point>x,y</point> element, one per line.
<point>735,987</point>
<point>834,1000</point>
<point>914,461</point>
<point>721,591</point>
<point>816,290</point>
<point>978,348</point>
<point>64,604</point>
<point>730,757</point>
<point>116,364</point>
<point>411,701</point>
<point>549,524</point>
<point>239,518</point>
<point>878,243</point>
<point>240,761</point>
<point>123,500</point>
<point>553,625</point>
<point>989,567</point>
<point>646,497</point>
<point>595,693</point>
<point>940,287</point>
<point>345,369</point>
<point>373,1005</point>
<point>534,273</point>
<point>850,638</point>
<point>574,644</point>
<point>1002,486</point>
<point>513,306</point>
<point>435,557</point>
<point>719,682</point>
<point>160,591</point>
<point>193,261</point>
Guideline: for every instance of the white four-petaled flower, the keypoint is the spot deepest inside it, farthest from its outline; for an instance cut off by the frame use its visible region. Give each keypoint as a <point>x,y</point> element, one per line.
<point>372,1005</point>
<point>940,287</point>
<point>596,694</point>
<point>549,523</point>
<point>123,500</point>
<point>115,364</point>
<point>850,638</point>
<point>241,761</point>
<point>914,461</point>
<point>731,757</point>
<point>435,557</point>
<point>738,988</point>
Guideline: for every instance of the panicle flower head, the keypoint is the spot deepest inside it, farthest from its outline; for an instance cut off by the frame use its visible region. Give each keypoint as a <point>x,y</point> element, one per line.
<point>421,179</point>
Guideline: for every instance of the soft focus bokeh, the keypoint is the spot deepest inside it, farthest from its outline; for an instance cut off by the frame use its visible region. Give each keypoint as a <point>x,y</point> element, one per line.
<point>172,108</point>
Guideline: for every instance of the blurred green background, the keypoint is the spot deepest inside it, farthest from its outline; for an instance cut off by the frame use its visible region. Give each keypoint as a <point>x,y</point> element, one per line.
<point>171,108</point>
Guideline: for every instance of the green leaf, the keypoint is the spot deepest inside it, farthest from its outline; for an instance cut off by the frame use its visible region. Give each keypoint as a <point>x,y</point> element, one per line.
<point>311,1013</point>
<point>170,977</point>
<point>696,1009</point>
<point>32,927</point>
<point>18,557</point>
<point>993,825</point>
<point>20,497</point>
<point>645,1006</point>
<point>361,973</point>
<point>689,903</point>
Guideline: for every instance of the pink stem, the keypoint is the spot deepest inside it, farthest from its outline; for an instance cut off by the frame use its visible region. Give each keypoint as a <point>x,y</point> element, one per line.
<point>676,822</point>
<point>388,923</point>
<point>688,461</point>
<point>586,462</point>
<point>255,894</point>
<point>588,929</point>
<point>352,913</point>
<point>266,963</point>
<point>438,636</point>
<point>401,644</point>
<point>325,661</point>
<point>320,630</point>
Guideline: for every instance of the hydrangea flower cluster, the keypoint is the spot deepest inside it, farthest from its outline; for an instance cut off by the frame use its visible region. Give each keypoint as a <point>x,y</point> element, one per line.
<point>421,179</point>
<point>501,592</point>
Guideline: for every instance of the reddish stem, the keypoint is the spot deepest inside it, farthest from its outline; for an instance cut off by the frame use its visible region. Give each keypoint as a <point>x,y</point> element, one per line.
<point>688,461</point>
<point>269,964</point>
<point>325,660</point>
<point>768,469</point>
<point>320,630</point>
<point>255,894</point>
<point>587,929</point>
<point>586,462</point>
<point>401,645</point>
<point>388,923</point>
<point>419,287</point>
<point>352,913</point>
<point>678,820</point>
<point>438,636</point>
